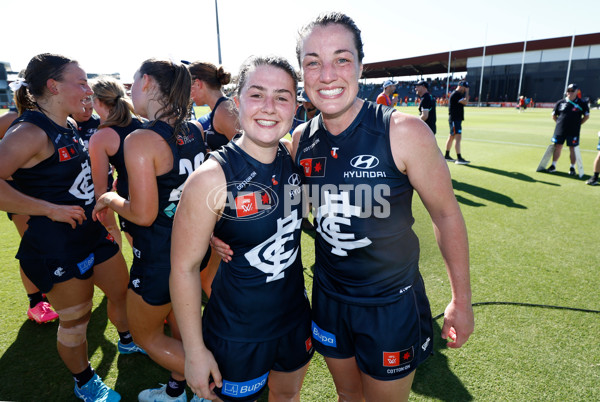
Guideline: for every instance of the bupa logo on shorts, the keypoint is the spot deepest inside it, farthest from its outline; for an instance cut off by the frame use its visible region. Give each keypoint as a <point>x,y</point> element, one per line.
<point>60,271</point>
<point>364,162</point>
<point>314,167</point>
<point>394,359</point>
<point>244,389</point>
<point>326,338</point>
<point>86,264</point>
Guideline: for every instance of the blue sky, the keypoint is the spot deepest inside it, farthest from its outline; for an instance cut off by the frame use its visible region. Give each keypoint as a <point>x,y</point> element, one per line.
<point>116,36</point>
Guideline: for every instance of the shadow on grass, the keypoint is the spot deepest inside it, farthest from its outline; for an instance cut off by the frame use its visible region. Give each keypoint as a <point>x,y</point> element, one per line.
<point>435,379</point>
<point>567,175</point>
<point>512,175</point>
<point>32,369</point>
<point>485,194</point>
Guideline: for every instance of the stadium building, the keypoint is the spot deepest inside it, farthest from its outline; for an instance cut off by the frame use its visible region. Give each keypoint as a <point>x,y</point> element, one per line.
<point>545,65</point>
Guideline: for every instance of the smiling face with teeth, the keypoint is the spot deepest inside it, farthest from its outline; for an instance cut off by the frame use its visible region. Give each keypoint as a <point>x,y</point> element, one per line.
<point>331,69</point>
<point>267,103</point>
<point>73,89</point>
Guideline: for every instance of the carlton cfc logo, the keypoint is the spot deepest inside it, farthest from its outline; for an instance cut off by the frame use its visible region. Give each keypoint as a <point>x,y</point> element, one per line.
<point>364,162</point>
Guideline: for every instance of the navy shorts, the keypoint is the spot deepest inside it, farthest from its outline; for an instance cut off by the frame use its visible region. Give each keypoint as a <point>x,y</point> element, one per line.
<point>150,279</point>
<point>560,139</point>
<point>245,366</point>
<point>388,341</point>
<point>455,127</point>
<point>151,282</point>
<point>124,224</point>
<point>45,272</point>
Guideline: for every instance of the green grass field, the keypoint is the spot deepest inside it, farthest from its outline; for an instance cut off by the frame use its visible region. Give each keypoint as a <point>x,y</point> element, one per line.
<point>533,241</point>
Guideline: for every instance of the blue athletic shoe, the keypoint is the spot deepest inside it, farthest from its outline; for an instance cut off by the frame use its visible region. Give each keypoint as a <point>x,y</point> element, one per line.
<point>160,395</point>
<point>129,348</point>
<point>96,391</point>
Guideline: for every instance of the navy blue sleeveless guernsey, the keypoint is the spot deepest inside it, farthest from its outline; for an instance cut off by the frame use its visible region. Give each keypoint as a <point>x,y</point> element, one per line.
<point>118,159</point>
<point>366,250</point>
<point>64,178</point>
<point>152,244</point>
<point>214,139</point>
<point>260,294</point>
<point>87,128</point>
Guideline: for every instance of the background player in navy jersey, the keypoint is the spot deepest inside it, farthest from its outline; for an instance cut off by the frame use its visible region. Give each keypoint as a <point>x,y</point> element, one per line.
<point>159,158</point>
<point>207,89</point>
<point>223,123</point>
<point>106,146</point>
<point>256,325</point>
<point>87,121</point>
<point>63,251</point>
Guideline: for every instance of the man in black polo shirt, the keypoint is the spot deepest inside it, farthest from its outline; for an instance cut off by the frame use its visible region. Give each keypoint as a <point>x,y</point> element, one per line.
<point>456,111</point>
<point>427,105</point>
<point>569,114</point>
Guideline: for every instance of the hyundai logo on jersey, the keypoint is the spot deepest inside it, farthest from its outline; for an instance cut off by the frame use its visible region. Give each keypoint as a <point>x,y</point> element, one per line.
<point>364,161</point>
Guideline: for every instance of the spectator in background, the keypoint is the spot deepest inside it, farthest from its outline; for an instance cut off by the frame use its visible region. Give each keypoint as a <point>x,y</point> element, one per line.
<point>569,114</point>
<point>521,104</point>
<point>456,110</point>
<point>386,96</point>
<point>427,104</point>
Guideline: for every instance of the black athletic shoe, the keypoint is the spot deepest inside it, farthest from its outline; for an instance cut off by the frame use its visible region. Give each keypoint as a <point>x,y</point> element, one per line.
<point>461,161</point>
<point>572,171</point>
<point>593,181</point>
<point>551,169</point>
<point>449,158</point>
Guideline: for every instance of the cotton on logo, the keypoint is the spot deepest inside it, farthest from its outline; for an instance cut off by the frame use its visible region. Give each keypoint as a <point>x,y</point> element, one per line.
<point>364,161</point>
<point>135,283</point>
<point>59,271</point>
